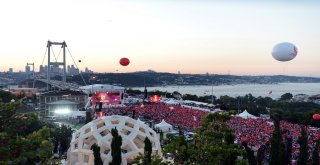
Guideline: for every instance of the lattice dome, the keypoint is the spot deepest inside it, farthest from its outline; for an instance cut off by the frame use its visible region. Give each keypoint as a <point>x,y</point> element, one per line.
<point>133,133</point>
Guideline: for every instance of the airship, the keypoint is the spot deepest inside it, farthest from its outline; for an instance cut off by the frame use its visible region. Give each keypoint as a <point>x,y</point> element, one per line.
<point>284,51</point>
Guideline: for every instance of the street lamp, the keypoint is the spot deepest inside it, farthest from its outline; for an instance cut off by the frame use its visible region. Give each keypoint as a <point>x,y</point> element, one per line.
<point>238,104</point>
<point>92,78</point>
<point>211,91</point>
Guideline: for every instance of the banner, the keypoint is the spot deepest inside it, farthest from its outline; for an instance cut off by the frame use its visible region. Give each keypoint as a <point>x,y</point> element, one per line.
<point>106,98</point>
<point>155,98</point>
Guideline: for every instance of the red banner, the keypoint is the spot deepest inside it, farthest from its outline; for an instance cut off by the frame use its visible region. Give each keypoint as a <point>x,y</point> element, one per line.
<point>106,98</point>
<point>155,98</point>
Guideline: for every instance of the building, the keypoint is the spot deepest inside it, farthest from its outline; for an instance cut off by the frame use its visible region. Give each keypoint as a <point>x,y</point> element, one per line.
<point>72,70</point>
<point>73,100</point>
<point>301,98</point>
<point>103,93</point>
<point>23,92</point>
<point>315,98</point>
<point>86,70</point>
<point>27,69</point>
<point>62,108</point>
<point>41,69</point>
<point>133,133</point>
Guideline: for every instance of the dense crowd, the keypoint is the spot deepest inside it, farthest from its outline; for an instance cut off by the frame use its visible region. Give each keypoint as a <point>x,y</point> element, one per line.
<point>177,115</point>
<point>257,132</point>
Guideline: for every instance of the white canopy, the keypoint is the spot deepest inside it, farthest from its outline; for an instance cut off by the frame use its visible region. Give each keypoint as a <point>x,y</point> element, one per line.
<point>171,101</point>
<point>246,115</point>
<point>101,88</point>
<point>164,126</point>
<point>194,102</point>
<point>216,111</point>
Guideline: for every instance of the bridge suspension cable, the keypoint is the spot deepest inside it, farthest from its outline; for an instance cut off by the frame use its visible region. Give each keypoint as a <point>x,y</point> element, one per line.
<point>76,67</point>
<point>49,50</point>
<point>59,54</point>
<point>44,57</point>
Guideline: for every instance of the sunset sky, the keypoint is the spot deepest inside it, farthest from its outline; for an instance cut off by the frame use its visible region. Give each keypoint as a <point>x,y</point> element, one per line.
<point>190,36</point>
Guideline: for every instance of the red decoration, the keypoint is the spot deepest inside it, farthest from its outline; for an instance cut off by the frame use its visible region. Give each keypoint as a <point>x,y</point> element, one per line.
<point>101,114</point>
<point>316,117</point>
<point>155,98</point>
<point>106,98</point>
<point>124,61</point>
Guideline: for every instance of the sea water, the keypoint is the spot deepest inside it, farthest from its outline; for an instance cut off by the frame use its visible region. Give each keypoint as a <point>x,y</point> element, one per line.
<point>265,90</point>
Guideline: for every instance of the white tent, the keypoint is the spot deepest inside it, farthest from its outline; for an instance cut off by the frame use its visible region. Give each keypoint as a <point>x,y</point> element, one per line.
<point>246,115</point>
<point>164,126</point>
<point>171,101</point>
<point>217,111</point>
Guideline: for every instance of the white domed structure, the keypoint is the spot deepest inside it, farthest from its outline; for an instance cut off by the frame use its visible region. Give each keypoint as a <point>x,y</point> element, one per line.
<point>133,133</point>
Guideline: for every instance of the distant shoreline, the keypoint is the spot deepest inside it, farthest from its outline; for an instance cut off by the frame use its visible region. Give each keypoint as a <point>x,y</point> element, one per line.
<point>263,90</point>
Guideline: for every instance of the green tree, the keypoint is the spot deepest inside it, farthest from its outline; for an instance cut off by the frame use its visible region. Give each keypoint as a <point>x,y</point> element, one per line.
<point>161,135</point>
<point>155,160</point>
<point>250,154</point>
<point>286,96</point>
<point>315,154</point>
<point>6,97</point>
<point>130,91</point>
<point>277,150</point>
<point>260,155</point>
<point>178,148</point>
<point>190,97</point>
<point>147,151</point>
<point>23,138</point>
<point>31,149</point>
<point>96,153</point>
<point>214,142</point>
<point>116,147</point>
<point>88,117</point>
<point>303,142</point>
<point>7,113</point>
<point>62,135</point>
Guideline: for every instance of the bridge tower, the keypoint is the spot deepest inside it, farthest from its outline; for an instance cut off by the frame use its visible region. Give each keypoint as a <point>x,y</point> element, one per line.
<point>28,76</point>
<point>56,63</point>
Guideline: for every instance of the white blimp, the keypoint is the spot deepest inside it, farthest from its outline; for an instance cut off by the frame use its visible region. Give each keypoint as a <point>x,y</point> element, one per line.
<point>284,51</point>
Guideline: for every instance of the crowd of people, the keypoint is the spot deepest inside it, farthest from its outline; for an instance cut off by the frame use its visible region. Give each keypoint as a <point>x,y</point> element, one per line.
<point>177,115</point>
<point>257,132</point>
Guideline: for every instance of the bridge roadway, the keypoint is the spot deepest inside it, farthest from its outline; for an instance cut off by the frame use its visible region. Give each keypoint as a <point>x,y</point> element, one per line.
<point>61,85</point>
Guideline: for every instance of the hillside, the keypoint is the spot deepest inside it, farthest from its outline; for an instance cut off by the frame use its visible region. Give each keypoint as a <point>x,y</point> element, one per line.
<point>150,78</point>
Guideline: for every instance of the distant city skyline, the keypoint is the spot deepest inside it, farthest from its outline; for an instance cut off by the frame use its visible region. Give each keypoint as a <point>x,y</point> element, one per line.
<point>218,37</point>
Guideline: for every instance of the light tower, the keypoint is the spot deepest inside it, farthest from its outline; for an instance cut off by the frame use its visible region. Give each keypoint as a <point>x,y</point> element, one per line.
<point>56,63</point>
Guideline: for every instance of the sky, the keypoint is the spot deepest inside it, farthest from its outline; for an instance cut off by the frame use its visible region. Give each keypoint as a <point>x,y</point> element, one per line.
<point>190,36</point>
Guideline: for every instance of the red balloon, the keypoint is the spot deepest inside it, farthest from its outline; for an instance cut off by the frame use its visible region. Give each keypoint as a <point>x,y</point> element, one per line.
<point>124,61</point>
<point>316,117</point>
